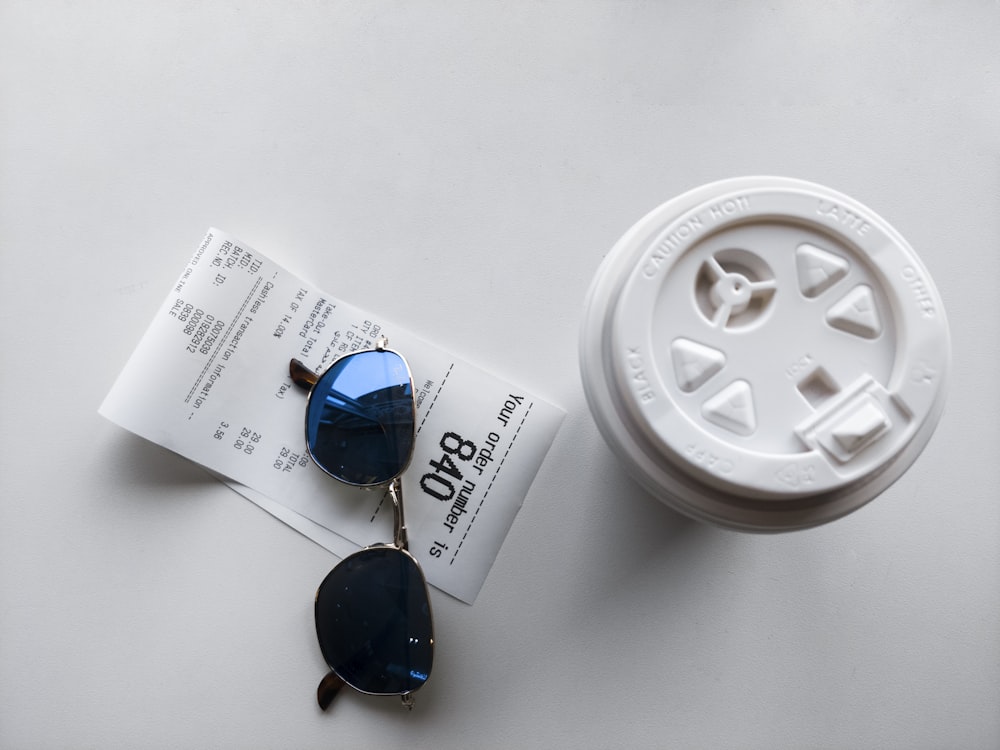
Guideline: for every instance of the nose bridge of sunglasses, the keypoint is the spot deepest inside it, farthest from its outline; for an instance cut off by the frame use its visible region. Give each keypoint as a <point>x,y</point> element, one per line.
<point>400,536</point>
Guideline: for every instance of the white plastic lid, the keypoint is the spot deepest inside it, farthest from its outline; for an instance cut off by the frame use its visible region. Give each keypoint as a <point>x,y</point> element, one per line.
<point>764,353</point>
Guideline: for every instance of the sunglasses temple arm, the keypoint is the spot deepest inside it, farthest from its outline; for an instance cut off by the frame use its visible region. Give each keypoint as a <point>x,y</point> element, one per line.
<point>301,375</point>
<point>400,539</point>
<point>328,688</point>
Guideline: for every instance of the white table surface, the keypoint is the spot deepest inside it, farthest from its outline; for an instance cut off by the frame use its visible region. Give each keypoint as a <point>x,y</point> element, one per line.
<point>463,167</point>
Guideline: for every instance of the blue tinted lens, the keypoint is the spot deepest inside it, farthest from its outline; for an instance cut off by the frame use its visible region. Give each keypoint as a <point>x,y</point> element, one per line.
<point>360,418</point>
<point>373,620</point>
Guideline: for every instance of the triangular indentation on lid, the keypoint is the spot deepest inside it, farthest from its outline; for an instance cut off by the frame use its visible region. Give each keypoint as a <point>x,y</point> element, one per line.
<point>694,363</point>
<point>856,313</point>
<point>732,408</point>
<point>818,269</point>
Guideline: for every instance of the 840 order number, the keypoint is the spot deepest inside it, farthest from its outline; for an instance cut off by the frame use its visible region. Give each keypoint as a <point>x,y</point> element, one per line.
<point>440,482</point>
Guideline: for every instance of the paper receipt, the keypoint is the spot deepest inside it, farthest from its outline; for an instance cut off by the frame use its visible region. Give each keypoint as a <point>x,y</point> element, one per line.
<point>209,380</point>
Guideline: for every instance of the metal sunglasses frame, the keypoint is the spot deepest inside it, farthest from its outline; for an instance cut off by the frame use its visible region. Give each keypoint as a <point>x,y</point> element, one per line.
<point>307,379</point>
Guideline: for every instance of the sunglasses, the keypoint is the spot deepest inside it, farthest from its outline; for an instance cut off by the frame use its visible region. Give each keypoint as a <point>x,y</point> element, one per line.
<point>373,614</point>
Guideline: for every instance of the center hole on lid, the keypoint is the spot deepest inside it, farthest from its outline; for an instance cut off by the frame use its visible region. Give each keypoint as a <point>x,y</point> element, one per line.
<point>735,286</point>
